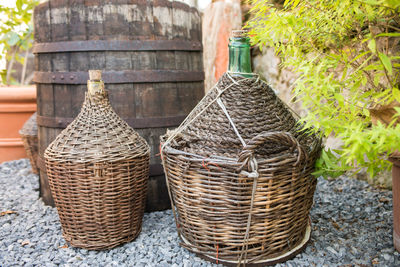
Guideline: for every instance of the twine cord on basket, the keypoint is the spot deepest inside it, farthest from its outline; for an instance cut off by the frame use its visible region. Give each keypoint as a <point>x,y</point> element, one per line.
<point>253,166</point>
<point>219,101</point>
<point>254,174</point>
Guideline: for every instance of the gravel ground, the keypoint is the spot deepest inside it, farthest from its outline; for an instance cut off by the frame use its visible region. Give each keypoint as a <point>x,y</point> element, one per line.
<point>352,226</point>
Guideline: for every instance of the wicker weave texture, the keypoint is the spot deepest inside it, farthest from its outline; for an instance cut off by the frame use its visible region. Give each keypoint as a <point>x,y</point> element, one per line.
<point>29,136</point>
<point>98,170</point>
<point>241,204</point>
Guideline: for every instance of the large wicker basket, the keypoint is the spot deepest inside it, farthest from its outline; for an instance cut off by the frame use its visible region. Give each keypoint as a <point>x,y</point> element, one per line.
<point>98,170</point>
<point>239,175</point>
<point>29,136</point>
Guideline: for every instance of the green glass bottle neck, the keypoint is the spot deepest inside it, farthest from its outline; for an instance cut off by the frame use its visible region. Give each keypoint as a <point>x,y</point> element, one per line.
<point>239,56</point>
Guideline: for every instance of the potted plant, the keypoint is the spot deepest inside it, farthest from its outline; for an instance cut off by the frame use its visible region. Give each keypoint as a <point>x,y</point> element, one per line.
<point>347,56</point>
<point>17,98</point>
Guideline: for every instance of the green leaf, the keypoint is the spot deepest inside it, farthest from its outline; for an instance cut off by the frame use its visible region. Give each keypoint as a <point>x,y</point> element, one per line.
<point>398,111</point>
<point>372,46</point>
<point>318,173</point>
<point>286,2</point>
<point>340,99</point>
<point>377,78</point>
<point>396,94</point>
<point>18,4</point>
<point>295,3</point>
<point>3,75</point>
<point>388,34</point>
<point>386,62</point>
<point>370,2</point>
<point>344,73</point>
<point>360,56</point>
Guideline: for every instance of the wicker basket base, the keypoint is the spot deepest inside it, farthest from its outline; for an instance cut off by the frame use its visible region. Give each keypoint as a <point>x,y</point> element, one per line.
<point>267,262</point>
<point>106,245</point>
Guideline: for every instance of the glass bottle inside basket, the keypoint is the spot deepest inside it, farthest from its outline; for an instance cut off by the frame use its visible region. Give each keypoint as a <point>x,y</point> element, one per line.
<point>239,54</point>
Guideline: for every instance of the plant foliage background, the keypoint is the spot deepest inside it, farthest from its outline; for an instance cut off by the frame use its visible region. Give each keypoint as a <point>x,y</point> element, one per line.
<point>16,34</point>
<point>347,56</point>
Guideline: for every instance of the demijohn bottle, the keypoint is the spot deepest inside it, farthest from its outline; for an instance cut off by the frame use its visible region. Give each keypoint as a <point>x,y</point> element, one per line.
<point>239,172</point>
<point>98,169</point>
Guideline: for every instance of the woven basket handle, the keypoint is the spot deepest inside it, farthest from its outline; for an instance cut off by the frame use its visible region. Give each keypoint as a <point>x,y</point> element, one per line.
<point>284,139</point>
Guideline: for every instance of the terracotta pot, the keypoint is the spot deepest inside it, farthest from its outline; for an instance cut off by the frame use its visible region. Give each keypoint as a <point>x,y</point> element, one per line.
<point>17,104</point>
<point>396,202</point>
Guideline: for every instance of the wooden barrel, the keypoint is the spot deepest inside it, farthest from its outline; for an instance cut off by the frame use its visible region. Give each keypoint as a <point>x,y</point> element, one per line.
<point>151,56</point>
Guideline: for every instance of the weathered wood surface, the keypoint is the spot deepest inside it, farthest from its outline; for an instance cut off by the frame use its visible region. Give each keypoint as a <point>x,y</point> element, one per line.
<point>81,20</point>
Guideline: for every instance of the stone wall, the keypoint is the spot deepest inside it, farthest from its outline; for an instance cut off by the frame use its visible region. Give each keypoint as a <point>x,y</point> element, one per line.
<point>267,65</point>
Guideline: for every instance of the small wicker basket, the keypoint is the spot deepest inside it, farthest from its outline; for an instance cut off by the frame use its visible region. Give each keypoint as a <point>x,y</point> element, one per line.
<point>239,175</point>
<point>98,170</point>
<point>29,136</point>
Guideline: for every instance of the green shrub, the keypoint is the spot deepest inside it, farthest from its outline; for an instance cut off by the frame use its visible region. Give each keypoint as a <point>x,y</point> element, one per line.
<point>347,56</point>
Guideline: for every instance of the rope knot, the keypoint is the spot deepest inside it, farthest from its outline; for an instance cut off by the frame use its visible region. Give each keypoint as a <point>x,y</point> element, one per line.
<point>252,166</point>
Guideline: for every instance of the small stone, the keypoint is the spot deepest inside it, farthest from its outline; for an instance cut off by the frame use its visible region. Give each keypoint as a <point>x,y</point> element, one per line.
<point>27,260</point>
<point>331,250</point>
<point>386,257</point>
<point>342,251</point>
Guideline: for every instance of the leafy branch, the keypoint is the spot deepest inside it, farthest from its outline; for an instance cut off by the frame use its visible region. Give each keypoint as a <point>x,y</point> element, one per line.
<point>352,79</point>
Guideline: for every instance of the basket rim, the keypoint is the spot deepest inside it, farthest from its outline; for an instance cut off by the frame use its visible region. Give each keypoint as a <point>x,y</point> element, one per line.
<point>223,160</point>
